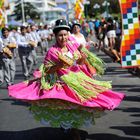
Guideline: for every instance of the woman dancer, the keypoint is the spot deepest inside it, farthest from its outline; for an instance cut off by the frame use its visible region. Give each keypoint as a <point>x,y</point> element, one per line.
<point>63,95</point>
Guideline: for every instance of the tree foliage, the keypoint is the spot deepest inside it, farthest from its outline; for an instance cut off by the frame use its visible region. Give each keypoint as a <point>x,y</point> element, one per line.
<point>114,7</point>
<point>30,11</point>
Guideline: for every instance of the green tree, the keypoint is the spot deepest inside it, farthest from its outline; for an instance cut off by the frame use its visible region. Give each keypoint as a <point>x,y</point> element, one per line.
<point>30,11</point>
<point>114,7</point>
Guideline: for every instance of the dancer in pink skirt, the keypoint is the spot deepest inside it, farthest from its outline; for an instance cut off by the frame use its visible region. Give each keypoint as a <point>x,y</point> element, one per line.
<point>63,93</point>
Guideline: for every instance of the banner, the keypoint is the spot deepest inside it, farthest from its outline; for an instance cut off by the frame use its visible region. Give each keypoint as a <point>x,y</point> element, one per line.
<point>2,18</point>
<point>79,9</point>
<point>130,45</point>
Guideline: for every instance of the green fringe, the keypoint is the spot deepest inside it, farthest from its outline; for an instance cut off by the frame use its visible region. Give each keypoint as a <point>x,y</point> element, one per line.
<point>41,68</point>
<point>85,87</point>
<point>95,61</point>
<point>47,81</point>
<point>76,118</point>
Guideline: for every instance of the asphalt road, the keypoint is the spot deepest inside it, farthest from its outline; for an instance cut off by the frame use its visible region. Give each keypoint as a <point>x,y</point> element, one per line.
<point>123,123</point>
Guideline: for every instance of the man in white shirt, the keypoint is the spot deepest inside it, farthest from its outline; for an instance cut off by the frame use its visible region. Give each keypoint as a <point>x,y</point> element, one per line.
<point>34,54</point>
<point>25,52</point>
<point>14,33</point>
<point>36,37</point>
<point>8,59</point>
<point>47,37</point>
<point>1,65</point>
<point>43,38</point>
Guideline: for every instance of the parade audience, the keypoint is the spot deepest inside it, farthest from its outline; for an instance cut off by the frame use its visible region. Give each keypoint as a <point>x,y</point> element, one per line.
<point>111,35</point>
<point>1,65</point>
<point>76,28</point>
<point>25,52</point>
<point>34,44</point>
<point>22,42</point>
<point>7,56</point>
<point>43,37</point>
<point>36,38</point>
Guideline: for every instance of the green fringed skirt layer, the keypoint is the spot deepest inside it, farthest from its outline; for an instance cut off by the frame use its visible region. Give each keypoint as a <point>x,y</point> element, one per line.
<point>95,61</point>
<point>85,87</point>
<point>58,113</point>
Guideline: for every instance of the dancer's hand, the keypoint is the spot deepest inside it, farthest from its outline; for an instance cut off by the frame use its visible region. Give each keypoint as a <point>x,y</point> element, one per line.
<point>81,61</point>
<point>80,47</point>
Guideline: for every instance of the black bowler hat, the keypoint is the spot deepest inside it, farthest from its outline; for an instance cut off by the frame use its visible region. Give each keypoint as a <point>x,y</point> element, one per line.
<point>61,24</point>
<point>75,22</point>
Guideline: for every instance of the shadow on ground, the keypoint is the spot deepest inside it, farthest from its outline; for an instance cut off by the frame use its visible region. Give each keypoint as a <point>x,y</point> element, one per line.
<point>55,134</point>
<point>16,102</point>
<point>132,98</point>
<point>129,109</point>
<point>102,136</point>
<point>129,88</point>
<point>128,130</point>
<point>39,134</point>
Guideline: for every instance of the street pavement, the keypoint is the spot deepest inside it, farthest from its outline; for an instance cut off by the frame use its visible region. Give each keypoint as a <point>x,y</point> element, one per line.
<point>123,123</point>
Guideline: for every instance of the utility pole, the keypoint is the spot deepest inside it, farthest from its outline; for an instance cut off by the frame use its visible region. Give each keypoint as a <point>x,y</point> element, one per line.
<point>43,10</point>
<point>23,13</point>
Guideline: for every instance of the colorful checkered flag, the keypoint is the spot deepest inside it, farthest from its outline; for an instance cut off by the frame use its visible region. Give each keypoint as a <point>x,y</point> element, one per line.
<point>130,45</point>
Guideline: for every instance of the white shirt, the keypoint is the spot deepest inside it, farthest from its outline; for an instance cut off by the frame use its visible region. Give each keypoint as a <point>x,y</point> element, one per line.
<point>41,33</point>
<point>46,33</point>
<point>35,36</point>
<point>14,34</point>
<point>80,40</point>
<point>8,40</point>
<point>1,45</point>
<point>22,40</point>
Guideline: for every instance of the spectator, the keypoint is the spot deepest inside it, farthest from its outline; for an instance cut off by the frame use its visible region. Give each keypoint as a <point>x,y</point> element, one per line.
<point>111,35</point>
<point>8,59</point>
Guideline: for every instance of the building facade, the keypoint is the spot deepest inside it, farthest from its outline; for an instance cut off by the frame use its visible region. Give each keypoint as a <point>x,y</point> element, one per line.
<point>68,5</point>
<point>48,9</point>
